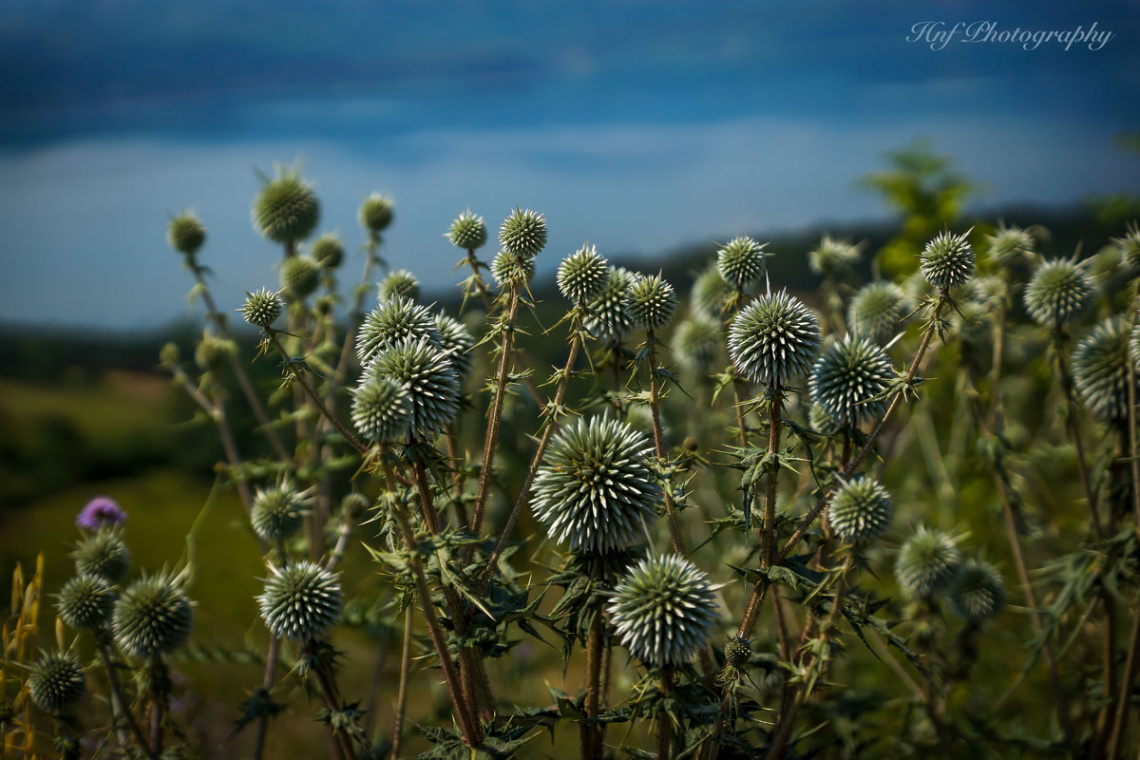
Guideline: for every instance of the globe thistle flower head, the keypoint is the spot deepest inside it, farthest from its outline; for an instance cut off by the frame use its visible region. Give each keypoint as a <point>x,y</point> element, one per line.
<point>664,611</point>
<point>328,251</point>
<point>375,213</point>
<point>847,378</point>
<point>1060,290</point>
<point>301,602</point>
<point>696,344</point>
<point>710,292</point>
<point>511,270</point>
<point>429,378</point>
<point>1009,246</point>
<point>833,256</point>
<point>213,351</point>
<point>877,310</point>
<point>286,209</point>
<point>523,233</point>
<point>948,260</point>
<point>741,263</point>
<point>105,555</point>
<point>1109,270</point>
<point>1129,247</point>
<point>152,617</point>
<point>396,320</point>
<point>457,344</point>
<point>977,591</point>
<point>582,275</point>
<point>971,321</point>
<point>381,410</point>
<point>186,234</point>
<point>774,339</point>
<point>468,231</point>
<point>860,510</point>
<point>278,512</point>
<point>400,284</point>
<point>737,652</point>
<point>299,277</point>
<point>101,512</point>
<point>86,602</point>
<point>651,303</point>
<point>595,491</point>
<point>262,308</point>
<point>1100,369</point>
<point>609,320</point>
<point>926,562</point>
<point>57,682</point>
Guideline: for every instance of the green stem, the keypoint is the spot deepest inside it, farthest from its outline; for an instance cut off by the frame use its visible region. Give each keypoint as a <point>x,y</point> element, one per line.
<point>402,691</point>
<point>120,707</point>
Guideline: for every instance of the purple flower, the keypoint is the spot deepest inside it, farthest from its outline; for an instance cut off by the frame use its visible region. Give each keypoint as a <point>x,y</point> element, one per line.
<point>100,512</point>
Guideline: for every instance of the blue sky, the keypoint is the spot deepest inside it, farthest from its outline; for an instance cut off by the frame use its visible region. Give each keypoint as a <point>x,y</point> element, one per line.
<point>637,125</point>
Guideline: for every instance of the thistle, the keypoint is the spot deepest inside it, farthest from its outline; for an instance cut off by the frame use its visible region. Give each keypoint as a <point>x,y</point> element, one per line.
<point>400,284</point>
<point>1129,247</point>
<point>457,344</point>
<point>582,275</point>
<point>741,263</point>
<point>1009,246</point>
<point>650,303</point>
<point>278,512</point>
<point>511,270</point>
<point>948,261</point>
<point>1100,369</point>
<point>696,344</point>
<point>99,513</point>
<point>849,379</point>
<point>594,490</point>
<point>381,410</point>
<point>261,309</point>
<point>86,602</point>
<point>609,320</point>
<point>375,213</point>
<point>860,510</point>
<point>877,310</point>
<point>664,611</point>
<point>833,256</point>
<point>212,352</point>
<point>737,652</point>
<point>301,602</point>
<point>105,555</point>
<point>286,209</point>
<point>978,591</point>
<point>971,321</point>
<point>1059,291</point>
<point>397,320</point>
<point>430,379</point>
<point>468,231</point>
<point>186,234</point>
<point>328,251</point>
<point>57,682</point>
<point>523,233</point>
<point>774,339</point>
<point>300,276</point>
<point>152,617</point>
<point>710,292</point>
<point>927,562</point>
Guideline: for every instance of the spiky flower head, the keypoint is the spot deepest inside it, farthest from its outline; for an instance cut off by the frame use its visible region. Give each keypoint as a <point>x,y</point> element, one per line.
<point>696,343</point>
<point>833,256</point>
<point>774,339</point>
<point>948,260</point>
<point>710,292</point>
<point>301,602</point>
<point>396,320</point>
<point>609,320</point>
<point>152,617</point>
<point>457,344</point>
<point>101,512</point>
<point>860,510</point>
<point>468,231</point>
<point>594,490</point>
<point>971,320</point>
<point>977,591</point>
<point>737,652</point>
<point>262,308</point>
<point>664,611</point>
<point>741,262</point>
<point>286,209</point>
<point>86,602</point>
<point>582,275</point>
<point>651,302</point>
<point>926,562</point>
<point>213,351</point>
<point>511,270</point>
<point>431,382</point>
<point>1010,245</point>
<point>400,284</point>
<point>186,234</point>
<point>1059,291</point>
<point>1100,369</point>
<point>1129,247</point>
<point>877,310</point>
<point>103,554</point>
<point>523,233</point>
<point>328,250</point>
<point>381,410</point>
<point>376,213</point>
<point>278,512</point>
<point>57,682</point>
<point>847,378</point>
<point>299,276</point>
<point>1108,269</point>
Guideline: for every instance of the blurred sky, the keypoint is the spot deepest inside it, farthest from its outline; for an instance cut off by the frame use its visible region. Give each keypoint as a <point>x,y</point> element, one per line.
<point>638,125</point>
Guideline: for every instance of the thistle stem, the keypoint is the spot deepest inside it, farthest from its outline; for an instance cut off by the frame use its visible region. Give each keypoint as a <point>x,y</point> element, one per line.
<point>1072,425</point>
<point>593,734</point>
<point>267,682</point>
<point>120,707</point>
<point>664,721</point>
<point>659,445</point>
<point>402,692</point>
<point>332,702</point>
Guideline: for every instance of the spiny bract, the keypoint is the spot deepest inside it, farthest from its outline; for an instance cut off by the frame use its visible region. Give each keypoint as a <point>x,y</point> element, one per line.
<point>286,209</point>
<point>609,320</point>
<point>1100,369</point>
<point>651,303</point>
<point>86,602</point>
<point>457,344</point>
<point>468,231</point>
<point>877,310</point>
<point>300,602</point>
<point>833,256</point>
<point>664,611</point>
<point>57,682</point>
<point>186,234</point>
<point>278,512</point>
<point>327,250</point>
<point>860,510</point>
<point>849,379</point>
<point>396,320</point>
<point>381,410</point>
<point>431,381</point>
<point>400,284</point>
<point>978,591</point>
<point>582,275</point>
<point>594,490</point>
<point>376,213</point>
<point>523,233</point>
<point>1059,291</point>
<point>741,262</point>
<point>948,261</point>
<point>262,308</point>
<point>152,617</point>
<point>696,343</point>
<point>774,339</point>
<point>300,276</point>
<point>105,554</point>
<point>926,562</point>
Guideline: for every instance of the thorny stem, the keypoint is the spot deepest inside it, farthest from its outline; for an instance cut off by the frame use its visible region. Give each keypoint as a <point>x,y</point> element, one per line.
<point>120,707</point>
<point>267,682</point>
<point>157,703</point>
<point>1072,425</point>
<point>402,692</point>
<point>659,445</point>
<point>1120,723</point>
<point>332,702</point>
<point>593,734</point>
<point>664,722</point>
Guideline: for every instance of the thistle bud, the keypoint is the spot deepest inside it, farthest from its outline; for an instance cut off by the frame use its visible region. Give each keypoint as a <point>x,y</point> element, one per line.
<point>186,233</point>
<point>261,309</point>
<point>468,231</point>
<point>301,602</point>
<point>523,233</point>
<point>286,209</point>
<point>153,617</point>
<point>328,251</point>
<point>57,682</point>
<point>948,261</point>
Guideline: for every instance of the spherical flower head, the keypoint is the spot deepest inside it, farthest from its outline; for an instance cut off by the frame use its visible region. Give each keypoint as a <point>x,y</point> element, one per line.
<point>696,344</point>
<point>877,310</point>
<point>457,344</point>
<point>1100,369</point>
<point>396,320</point>
<point>86,602</point>
<point>971,321</point>
<point>651,303</point>
<point>774,339</point>
<point>1129,247</point>
<point>400,284</point>
<point>381,410</point>
<point>833,256</point>
<point>468,231</point>
<point>926,562</point>
<point>101,512</point>
<point>1060,290</point>
<point>212,352</point>
<point>103,554</point>
<point>328,250</point>
<point>376,213</point>
<point>582,275</point>
<point>511,270</point>
<point>1109,270</point>
<point>430,379</point>
<point>664,611</point>
<point>278,512</point>
<point>286,209</point>
<point>977,591</point>
<point>57,682</point>
<point>1009,246</point>
<point>153,617</point>
<point>301,602</point>
<point>609,320</point>
<point>523,233</point>
<point>860,510</point>
<point>737,652</point>
<point>186,234</point>
<point>847,378</point>
<point>710,292</point>
<point>595,491</point>
<point>300,276</point>
<point>741,263</point>
<point>948,260</point>
<point>262,308</point>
